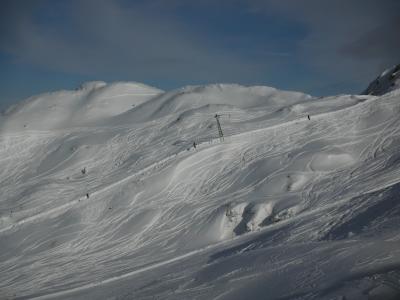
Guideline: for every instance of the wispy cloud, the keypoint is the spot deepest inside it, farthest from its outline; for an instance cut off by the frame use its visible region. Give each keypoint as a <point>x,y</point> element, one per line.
<point>136,40</point>
<point>352,40</point>
<point>308,45</point>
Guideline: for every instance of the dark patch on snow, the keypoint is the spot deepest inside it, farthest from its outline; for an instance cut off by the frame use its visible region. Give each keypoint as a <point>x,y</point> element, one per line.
<point>382,206</point>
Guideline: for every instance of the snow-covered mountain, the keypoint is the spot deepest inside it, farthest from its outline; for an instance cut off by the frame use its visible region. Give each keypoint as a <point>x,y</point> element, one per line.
<point>92,104</point>
<point>388,81</point>
<point>123,191</point>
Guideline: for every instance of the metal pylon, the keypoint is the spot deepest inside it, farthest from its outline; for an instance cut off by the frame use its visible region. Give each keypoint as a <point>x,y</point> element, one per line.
<point>221,134</point>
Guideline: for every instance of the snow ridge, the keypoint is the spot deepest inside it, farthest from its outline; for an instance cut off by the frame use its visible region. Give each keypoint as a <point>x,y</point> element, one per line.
<point>388,81</point>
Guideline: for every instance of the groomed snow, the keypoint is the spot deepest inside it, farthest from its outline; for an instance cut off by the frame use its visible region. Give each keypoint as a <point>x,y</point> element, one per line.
<point>284,207</point>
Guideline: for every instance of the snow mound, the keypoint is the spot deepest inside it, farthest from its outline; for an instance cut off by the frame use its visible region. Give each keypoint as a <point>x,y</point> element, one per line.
<point>388,81</point>
<point>91,103</point>
<point>222,95</point>
<point>331,161</point>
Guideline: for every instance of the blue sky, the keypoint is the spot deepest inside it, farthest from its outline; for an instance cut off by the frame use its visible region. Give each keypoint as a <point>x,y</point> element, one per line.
<point>318,47</point>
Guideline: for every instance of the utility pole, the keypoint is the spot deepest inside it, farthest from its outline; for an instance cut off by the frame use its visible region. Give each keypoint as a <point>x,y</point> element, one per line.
<point>221,134</point>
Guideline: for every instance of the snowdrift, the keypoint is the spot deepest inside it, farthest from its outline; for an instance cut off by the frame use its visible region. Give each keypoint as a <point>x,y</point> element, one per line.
<point>104,196</point>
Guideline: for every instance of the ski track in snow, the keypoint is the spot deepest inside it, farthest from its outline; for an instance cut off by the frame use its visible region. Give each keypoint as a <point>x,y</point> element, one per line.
<point>278,180</point>
<point>116,278</point>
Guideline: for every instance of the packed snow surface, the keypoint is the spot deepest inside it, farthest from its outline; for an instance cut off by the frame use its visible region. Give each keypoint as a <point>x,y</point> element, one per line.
<point>123,191</point>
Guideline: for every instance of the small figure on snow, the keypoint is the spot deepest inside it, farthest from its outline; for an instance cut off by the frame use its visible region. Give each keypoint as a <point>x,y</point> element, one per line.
<point>194,145</point>
<point>308,116</point>
<point>87,195</point>
<point>83,171</point>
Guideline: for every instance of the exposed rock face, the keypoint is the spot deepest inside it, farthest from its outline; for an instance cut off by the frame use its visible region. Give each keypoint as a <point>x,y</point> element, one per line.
<point>388,81</point>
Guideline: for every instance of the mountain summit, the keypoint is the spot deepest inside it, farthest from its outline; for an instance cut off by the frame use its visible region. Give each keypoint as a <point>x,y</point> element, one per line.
<point>388,81</point>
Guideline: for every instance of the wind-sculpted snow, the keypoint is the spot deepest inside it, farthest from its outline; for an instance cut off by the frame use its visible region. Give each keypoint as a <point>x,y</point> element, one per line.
<point>123,206</point>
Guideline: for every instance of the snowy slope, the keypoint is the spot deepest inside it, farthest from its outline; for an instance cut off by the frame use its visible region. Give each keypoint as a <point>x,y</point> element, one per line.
<point>90,103</point>
<point>283,208</point>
